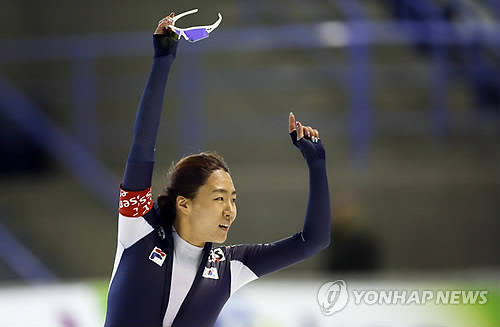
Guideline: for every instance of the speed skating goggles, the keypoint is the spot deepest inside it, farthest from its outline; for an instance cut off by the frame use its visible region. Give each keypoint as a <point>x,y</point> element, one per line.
<point>196,33</point>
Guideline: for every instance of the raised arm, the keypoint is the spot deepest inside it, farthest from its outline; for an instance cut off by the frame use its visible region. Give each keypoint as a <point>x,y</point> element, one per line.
<point>316,229</point>
<point>260,259</point>
<point>139,168</point>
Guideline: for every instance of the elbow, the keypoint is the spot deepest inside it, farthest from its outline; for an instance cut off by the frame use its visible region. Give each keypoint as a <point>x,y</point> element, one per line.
<point>318,245</point>
<point>324,242</point>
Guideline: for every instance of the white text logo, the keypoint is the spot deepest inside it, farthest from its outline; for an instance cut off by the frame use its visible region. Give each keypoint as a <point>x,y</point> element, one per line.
<point>332,297</point>
<point>420,297</point>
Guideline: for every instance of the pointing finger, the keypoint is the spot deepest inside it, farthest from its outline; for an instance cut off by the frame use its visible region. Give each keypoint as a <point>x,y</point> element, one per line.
<point>291,122</point>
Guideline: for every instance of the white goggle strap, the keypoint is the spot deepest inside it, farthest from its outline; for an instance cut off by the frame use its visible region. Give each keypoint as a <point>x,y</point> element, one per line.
<point>209,28</point>
<point>214,25</point>
<point>193,11</point>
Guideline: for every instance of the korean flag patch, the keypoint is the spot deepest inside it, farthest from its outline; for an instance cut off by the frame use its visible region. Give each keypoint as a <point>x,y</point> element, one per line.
<point>210,273</point>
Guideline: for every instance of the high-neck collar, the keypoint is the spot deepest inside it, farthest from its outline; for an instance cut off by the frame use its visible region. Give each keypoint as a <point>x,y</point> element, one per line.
<point>184,248</point>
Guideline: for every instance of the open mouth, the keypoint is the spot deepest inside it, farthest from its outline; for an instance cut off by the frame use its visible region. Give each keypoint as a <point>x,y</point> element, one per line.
<point>224,227</point>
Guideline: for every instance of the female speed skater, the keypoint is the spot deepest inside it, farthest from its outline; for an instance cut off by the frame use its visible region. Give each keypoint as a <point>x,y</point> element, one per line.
<point>166,271</point>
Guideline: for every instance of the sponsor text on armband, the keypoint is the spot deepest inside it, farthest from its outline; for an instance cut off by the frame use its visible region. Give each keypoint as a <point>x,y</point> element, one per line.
<point>135,203</point>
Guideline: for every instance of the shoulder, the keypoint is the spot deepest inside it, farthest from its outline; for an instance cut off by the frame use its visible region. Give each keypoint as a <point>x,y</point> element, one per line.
<point>236,252</point>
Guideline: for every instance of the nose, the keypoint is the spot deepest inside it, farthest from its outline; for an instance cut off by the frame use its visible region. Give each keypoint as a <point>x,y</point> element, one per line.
<point>230,213</point>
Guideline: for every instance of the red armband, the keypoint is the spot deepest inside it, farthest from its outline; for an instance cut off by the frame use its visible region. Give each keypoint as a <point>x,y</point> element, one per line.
<point>135,203</point>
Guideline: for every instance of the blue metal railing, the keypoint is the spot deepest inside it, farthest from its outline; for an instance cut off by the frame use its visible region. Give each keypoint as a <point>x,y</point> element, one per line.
<point>66,150</point>
<point>21,260</point>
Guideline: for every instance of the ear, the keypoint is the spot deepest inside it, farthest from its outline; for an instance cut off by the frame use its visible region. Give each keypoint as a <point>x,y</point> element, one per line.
<point>183,204</point>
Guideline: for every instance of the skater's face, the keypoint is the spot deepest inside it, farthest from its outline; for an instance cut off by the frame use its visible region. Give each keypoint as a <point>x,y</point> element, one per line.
<point>213,209</point>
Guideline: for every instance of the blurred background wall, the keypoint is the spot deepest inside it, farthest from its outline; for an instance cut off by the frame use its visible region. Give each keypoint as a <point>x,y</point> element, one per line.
<point>405,95</point>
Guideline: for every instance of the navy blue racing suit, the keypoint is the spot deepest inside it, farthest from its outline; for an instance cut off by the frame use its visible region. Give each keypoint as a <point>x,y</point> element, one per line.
<point>141,280</point>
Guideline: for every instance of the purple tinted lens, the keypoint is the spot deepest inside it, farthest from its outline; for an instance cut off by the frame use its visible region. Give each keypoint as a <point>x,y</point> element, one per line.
<point>196,34</point>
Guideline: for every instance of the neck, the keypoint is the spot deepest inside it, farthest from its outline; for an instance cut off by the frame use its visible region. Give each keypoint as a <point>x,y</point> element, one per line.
<point>184,230</point>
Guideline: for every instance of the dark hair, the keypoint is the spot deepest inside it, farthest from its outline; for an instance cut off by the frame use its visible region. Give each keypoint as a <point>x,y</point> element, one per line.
<point>185,177</point>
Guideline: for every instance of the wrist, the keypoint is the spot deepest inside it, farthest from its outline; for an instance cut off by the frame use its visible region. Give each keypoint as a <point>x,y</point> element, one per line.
<point>164,45</point>
<point>311,151</point>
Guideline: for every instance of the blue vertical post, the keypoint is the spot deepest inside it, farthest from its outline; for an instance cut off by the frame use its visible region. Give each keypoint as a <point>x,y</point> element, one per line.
<point>360,115</point>
<point>84,96</point>
<point>191,113</point>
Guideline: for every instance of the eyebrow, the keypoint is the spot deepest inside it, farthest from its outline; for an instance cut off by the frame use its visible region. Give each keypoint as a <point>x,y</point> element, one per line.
<point>221,190</point>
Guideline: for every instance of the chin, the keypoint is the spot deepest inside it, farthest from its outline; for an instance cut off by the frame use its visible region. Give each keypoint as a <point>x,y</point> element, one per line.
<point>220,240</point>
